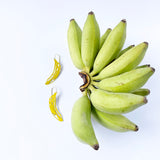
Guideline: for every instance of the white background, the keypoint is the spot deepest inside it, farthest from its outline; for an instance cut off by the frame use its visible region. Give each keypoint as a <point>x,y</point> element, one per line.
<point>31,33</point>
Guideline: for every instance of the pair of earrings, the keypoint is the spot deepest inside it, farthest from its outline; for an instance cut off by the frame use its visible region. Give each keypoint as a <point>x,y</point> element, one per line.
<point>52,100</point>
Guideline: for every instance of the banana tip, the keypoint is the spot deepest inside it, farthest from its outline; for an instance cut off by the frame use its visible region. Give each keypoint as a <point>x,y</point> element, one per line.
<point>46,83</point>
<point>72,19</point>
<point>145,100</point>
<point>123,20</point>
<point>148,65</point>
<point>146,43</point>
<point>91,12</point>
<point>153,70</point>
<point>96,146</point>
<point>136,128</point>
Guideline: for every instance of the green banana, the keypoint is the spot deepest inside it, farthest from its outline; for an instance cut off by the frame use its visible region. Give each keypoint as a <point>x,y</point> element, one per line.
<point>74,36</point>
<point>81,122</point>
<point>90,41</point>
<point>117,123</point>
<point>104,37</point>
<point>126,82</point>
<point>125,50</point>
<point>145,65</point>
<point>115,103</point>
<point>110,48</point>
<point>126,62</point>
<point>142,92</point>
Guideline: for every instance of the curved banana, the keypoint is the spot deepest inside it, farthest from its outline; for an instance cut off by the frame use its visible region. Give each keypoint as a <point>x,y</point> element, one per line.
<point>90,41</point>
<point>110,48</point>
<point>53,107</point>
<point>115,103</point>
<point>126,82</point>
<point>81,122</point>
<point>117,123</point>
<point>145,65</point>
<point>125,50</point>
<point>142,92</point>
<point>56,71</point>
<point>126,62</point>
<point>74,36</point>
<point>104,37</point>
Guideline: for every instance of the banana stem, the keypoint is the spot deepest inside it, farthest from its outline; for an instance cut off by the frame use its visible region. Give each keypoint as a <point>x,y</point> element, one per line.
<point>86,69</point>
<point>92,73</point>
<point>94,83</point>
<point>95,78</point>
<point>88,92</point>
<point>91,87</point>
<point>86,80</point>
<point>84,93</point>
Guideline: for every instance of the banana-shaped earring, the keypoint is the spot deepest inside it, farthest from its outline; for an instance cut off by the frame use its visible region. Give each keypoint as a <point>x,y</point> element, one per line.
<point>56,71</point>
<point>53,106</point>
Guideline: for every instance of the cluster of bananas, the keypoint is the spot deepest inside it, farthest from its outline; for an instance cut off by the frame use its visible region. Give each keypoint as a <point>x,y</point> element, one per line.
<point>112,78</point>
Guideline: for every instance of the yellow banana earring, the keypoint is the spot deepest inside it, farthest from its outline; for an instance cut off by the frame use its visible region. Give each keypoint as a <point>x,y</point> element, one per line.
<point>56,71</point>
<point>53,106</point>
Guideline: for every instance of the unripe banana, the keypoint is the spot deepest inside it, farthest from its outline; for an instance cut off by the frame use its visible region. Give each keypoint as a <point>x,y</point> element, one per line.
<point>125,50</point>
<point>81,122</point>
<point>126,62</point>
<point>110,48</point>
<point>142,92</point>
<point>145,65</point>
<point>104,37</point>
<point>74,36</point>
<point>126,82</point>
<point>90,41</point>
<point>115,103</point>
<point>117,123</point>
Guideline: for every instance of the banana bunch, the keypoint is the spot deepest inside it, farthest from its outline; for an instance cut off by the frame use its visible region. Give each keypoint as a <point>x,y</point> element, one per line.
<point>113,80</point>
